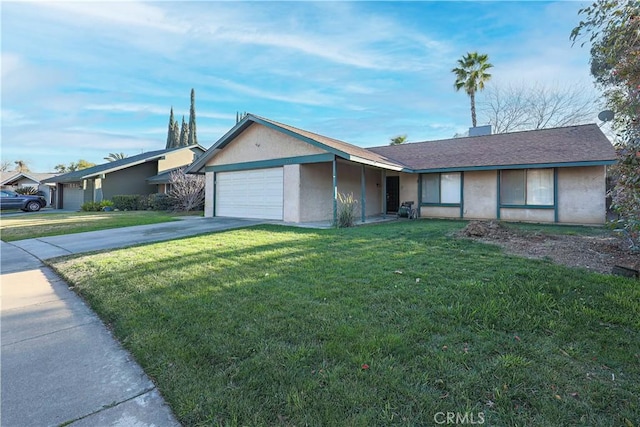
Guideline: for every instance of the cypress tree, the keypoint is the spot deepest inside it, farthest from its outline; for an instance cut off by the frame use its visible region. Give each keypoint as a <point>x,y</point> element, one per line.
<point>176,135</point>
<point>193,138</point>
<point>184,134</point>
<point>170,134</point>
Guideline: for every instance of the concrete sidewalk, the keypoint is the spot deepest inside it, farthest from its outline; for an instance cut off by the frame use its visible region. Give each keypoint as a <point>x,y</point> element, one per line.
<point>60,364</point>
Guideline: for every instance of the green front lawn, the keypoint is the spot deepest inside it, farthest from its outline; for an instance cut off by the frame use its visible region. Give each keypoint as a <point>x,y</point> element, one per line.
<point>392,324</point>
<point>34,225</point>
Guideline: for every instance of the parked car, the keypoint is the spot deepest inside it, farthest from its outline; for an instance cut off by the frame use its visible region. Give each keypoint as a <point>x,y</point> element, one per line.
<point>28,203</point>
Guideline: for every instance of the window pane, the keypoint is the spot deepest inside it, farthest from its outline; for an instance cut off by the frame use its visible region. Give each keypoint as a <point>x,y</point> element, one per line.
<point>540,187</point>
<point>430,188</point>
<point>450,187</point>
<point>512,187</point>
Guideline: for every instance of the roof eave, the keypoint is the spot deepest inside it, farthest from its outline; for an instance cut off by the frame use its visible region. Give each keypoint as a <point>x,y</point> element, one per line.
<point>517,166</point>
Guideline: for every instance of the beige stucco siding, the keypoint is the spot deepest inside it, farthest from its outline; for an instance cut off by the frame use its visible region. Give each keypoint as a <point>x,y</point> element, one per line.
<point>316,192</point>
<point>175,159</point>
<point>581,195</point>
<point>408,187</point>
<point>209,195</point>
<point>527,215</point>
<point>258,143</point>
<point>480,194</point>
<point>291,207</point>
<point>439,212</point>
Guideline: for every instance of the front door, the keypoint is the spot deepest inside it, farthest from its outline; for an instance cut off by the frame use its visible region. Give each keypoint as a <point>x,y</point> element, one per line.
<point>393,194</point>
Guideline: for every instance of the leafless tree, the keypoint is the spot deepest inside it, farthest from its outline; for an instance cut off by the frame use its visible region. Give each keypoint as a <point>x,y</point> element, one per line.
<point>5,166</point>
<point>187,190</point>
<point>514,108</point>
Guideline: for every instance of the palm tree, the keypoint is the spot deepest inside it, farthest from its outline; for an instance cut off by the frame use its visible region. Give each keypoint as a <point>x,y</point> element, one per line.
<point>397,140</point>
<point>471,74</point>
<point>112,157</point>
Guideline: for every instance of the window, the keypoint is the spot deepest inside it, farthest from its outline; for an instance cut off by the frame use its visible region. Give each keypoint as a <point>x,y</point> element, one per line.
<point>531,187</point>
<point>441,188</point>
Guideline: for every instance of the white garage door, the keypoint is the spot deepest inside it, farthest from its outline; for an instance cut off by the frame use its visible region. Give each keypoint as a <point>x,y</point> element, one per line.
<point>254,193</point>
<point>72,197</point>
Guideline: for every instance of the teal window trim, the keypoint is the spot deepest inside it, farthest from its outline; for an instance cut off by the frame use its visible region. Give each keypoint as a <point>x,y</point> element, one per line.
<point>272,163</point>
<point>384,193</point>
<point>498,201</point>
<point>446,205</point>
<point>419,194</point>
<point>556,216</point>
<point>461,194</point>
<point>526,206</point>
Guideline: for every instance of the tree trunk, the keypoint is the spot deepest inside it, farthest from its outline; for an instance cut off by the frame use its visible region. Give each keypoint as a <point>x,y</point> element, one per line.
<point>472,95</point>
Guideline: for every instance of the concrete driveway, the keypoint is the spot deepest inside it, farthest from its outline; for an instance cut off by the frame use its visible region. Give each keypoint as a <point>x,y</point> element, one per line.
<point>51,247</point>
<point>60,364</point>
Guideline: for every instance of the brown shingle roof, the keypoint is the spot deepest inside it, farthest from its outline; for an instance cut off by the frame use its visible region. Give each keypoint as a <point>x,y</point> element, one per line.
<point>573,144</point>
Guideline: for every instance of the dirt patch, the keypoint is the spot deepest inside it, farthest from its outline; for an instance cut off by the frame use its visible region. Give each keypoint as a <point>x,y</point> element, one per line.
<point>599,253</point>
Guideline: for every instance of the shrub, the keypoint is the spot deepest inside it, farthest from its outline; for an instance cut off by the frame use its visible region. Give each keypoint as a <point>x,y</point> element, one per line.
<point>160,202</point>
<point>27,190</point>
<point>347,205</point>
<point>91,207</point>
<point>130,202</point>
<point>187,191</point>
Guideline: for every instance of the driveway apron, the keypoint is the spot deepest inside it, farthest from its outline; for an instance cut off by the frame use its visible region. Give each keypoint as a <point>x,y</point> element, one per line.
<point>60,364</point>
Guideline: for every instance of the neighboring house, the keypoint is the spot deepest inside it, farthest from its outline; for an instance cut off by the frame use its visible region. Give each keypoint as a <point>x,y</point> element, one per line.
<point>15,180</point>
<point>266,169</point>
<point>137,174</point>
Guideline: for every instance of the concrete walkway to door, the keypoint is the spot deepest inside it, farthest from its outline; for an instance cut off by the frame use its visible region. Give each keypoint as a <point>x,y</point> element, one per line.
<point>60,364</point>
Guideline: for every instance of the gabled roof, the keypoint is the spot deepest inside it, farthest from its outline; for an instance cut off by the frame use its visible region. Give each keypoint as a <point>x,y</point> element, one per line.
<point>566,146</point>
<point>163,177</point>
<point>339,148</point>
<point>116,165</point>
<point>33,176</point>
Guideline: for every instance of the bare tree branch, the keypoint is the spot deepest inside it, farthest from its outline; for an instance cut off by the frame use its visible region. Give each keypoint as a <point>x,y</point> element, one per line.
<point>187,191</point>
<point>512,108</point>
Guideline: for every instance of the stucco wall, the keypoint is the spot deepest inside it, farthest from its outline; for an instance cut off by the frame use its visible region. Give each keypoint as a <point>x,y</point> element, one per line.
<point>175,159</point>
<point>439,212</point>
<point>480,194</point>
<point>409,187</point>
<point>527,215</point>
<point>350,181</point>
<point>291,193</point>
<point>259,142</point>
<point>581,197</point>
<point>129,181</point>
<point>208,191</point>
<point>316,192</point>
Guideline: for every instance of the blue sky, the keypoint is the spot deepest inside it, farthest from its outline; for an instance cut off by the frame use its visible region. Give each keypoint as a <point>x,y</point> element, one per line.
<point>81,80</point>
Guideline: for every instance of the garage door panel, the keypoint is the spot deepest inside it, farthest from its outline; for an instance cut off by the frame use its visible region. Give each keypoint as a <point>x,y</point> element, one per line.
<point>72,197</point>
<point>250,194</point>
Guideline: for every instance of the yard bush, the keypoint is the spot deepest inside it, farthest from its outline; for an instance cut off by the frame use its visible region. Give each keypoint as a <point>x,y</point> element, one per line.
<point>90,207</point>
<point>347,205</point>
<point>130,202</point>
<point>27,190</point>
<point>160,202</point>
<point>96,206</point>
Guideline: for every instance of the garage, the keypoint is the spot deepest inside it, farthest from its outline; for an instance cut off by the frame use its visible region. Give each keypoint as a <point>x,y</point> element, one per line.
<point>72,197</point>
<point>257,193</point>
